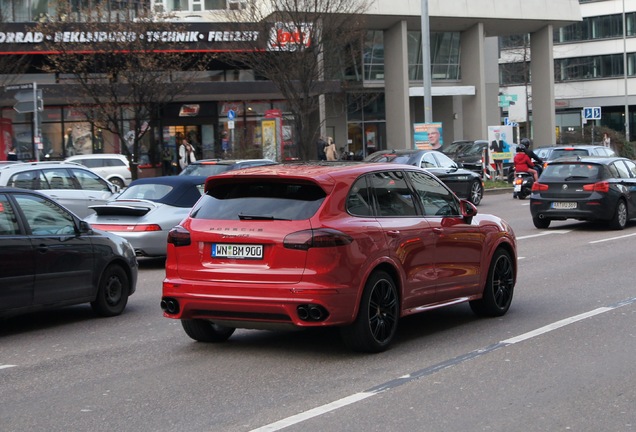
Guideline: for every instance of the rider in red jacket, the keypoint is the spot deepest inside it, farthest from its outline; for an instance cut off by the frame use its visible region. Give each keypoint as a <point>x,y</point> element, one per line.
<point>524,163</point>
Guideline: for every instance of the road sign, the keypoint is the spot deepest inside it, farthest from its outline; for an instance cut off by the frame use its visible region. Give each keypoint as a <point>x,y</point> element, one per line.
<point>230,124</point>
<point>24,107</point>
<point>592,113</point>
<point>231,115</point>
<point>25,103</point>
<point>19,87</point>
<point>505,100</point>
<point>25,96</point>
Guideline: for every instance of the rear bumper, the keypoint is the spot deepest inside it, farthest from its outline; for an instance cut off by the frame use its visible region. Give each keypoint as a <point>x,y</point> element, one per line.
<point>252,304</point>
<point>586,210</point>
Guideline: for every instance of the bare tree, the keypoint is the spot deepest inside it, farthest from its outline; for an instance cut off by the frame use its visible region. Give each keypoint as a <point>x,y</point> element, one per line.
<point>121,68</point>
<point>308,45</point>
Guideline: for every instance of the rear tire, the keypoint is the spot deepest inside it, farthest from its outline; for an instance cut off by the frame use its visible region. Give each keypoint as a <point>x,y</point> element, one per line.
<point>541,223</point>
<point>377,320</point>
<point>619,220</point>
<point>499,287</point>
<point>206,331</point>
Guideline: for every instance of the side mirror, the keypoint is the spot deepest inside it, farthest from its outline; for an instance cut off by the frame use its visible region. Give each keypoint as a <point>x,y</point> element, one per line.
<point>114,188</point>
<point>84,227</point>
<point>467,208</point>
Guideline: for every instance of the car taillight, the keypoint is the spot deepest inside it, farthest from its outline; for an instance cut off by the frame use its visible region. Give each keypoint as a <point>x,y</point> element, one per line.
<point>306,239</point>
<point>602,187</point>
<point>179,236</point>
<point>539,187</point>
<point>127,228</point>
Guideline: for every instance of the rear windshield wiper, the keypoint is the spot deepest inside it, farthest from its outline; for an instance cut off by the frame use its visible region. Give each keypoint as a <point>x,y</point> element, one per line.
<point>576,177</point>
<point>259,217</point>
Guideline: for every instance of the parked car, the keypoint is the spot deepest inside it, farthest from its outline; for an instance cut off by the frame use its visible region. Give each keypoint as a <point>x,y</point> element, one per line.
<point>113,167</point>
<point>72,185</point>
<point>466,184</point>
<point>50,258</point>
<point>585,188</point>
<point>551,153</point>
<point>351,245</point>
<point>452,149</point>
<point>208,167</point>
<point>471,157</point>
<point>145,211</point>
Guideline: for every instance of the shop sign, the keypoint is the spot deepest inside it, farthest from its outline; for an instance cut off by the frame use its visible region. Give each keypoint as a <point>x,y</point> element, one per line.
<point>189,110</point>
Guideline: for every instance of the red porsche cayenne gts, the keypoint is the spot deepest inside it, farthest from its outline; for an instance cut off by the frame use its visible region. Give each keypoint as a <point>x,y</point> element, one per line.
<point>351,245</point>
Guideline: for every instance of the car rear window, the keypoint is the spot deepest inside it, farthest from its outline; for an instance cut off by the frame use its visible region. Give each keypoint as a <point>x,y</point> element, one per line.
<point>571,171</point>
<point>147,191</point>
<point>260,200</point>
<point>205,169</point>
<point>559,153</point>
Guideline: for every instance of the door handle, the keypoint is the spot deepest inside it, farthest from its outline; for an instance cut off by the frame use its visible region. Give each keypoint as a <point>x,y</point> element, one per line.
<point>438,231</point>
<point>393,233</point>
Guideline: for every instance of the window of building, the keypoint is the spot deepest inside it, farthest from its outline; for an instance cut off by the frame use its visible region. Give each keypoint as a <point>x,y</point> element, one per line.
<point>597,27</point>
<point>593,67</point>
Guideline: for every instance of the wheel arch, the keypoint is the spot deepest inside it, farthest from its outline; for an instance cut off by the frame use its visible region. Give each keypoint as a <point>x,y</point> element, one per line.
<point>392,271</point>
<point>509,248</point>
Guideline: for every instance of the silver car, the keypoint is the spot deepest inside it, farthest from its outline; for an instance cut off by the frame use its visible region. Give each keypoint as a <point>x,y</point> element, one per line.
<point>72,185</point>
<point>113,167</point>
<point>145,212</point>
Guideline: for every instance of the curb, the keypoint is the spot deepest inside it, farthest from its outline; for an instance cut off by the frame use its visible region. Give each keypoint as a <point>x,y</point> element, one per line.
<point>498,191</point>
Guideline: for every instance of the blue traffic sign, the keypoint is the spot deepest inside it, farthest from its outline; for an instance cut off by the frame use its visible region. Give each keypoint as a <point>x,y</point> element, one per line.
<point>231,115</point>
<point>592,113</point>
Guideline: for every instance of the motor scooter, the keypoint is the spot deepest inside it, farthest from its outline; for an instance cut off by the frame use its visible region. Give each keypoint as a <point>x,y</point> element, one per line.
<point>522,184</point>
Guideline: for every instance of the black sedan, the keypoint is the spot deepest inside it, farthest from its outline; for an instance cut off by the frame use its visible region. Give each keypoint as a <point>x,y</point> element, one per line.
<point>50,258</point>
<point>466,184</point>
<point>585,188</point>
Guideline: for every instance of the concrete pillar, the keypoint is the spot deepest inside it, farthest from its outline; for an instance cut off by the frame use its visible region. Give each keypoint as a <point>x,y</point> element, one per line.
<point>399,129</point>
<point>473,73</point>
<point>542,78</point>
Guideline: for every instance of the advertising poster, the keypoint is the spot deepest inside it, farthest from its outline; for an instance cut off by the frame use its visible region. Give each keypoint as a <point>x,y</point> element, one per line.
<point>6,137</point>
<point>500,148</point>
<point>428,136</point>
<point>269,138</point>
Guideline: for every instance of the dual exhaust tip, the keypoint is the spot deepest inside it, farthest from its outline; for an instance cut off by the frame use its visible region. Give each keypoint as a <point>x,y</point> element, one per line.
<point>311,312</point>
<point>170,305</point>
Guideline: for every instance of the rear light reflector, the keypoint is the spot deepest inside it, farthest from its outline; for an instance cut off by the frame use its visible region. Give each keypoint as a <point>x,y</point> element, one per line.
<point>127,228</point>
<point>179,236</point>
<point>325,237</point>
<point>602,187</point>
<point>539,187</point>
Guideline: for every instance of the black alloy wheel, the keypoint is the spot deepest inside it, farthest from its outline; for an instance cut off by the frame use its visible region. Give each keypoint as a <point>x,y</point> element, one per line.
<point>377,320</point>
<point>499,288</point>
<point>619,220</point>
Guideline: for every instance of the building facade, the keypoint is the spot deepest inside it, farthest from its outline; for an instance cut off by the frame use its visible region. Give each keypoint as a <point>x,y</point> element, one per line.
<point>464,62</point>
<point>594,67</point>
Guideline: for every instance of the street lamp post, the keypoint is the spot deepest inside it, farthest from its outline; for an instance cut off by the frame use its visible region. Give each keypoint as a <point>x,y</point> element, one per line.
<point>426,64</point>
<point>625,74</point>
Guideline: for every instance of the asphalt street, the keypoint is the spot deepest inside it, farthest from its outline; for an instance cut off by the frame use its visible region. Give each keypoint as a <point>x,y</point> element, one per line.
<point>561,359</point>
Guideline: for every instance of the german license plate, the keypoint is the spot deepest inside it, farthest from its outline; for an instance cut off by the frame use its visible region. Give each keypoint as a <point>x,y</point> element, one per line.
<point>564,205</point>
<point>517,188</point>
<point>237,251</point>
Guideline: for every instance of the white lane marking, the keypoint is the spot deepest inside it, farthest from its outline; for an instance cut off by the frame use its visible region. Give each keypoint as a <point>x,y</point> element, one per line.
<point>389,385</point>
<point>7,366</point>
<point>613,238</point>
<point>544,233</point>
<point>555,325</point>
<point>315,412</point>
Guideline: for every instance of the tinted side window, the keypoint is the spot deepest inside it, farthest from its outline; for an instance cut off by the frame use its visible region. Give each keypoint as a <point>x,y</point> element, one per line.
<point>90,163</point>
<point>8,220</point>
<point>45,217</point>
<point>623,172</point>
<point>89,181</point>
<point>359,199</point>
<point>393,195</point>
<point>435,198</point>
<point>59,178</point>
<point>631,166</point>
<point>28,180</point>
<point>114,162</point>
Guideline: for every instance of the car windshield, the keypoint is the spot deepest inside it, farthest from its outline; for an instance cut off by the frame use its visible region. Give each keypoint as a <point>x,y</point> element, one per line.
<point>570,171</point>
<point>445,161</point>
<point>202,169</point>
<point>472,150</point>
<point>147,191</point>
<point>263,200</point>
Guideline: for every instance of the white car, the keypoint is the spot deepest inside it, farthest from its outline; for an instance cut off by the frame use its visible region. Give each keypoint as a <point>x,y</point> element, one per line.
<point>71,185</point>
<point>113,167</point>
